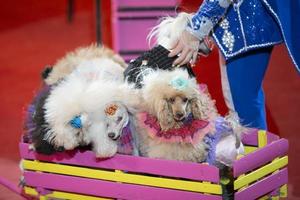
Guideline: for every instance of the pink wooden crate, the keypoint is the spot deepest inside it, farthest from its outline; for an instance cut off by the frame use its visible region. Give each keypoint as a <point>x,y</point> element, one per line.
<point>132,21</point>
<point>129,164</point>
<point>268,185</point>
<point>46,182</point>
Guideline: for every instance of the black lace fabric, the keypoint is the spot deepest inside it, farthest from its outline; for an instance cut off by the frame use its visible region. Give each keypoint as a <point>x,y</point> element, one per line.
<point>156,58</point>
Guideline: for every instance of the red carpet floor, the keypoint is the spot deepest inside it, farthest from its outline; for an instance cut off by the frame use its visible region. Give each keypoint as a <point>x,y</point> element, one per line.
<point>27,48</point>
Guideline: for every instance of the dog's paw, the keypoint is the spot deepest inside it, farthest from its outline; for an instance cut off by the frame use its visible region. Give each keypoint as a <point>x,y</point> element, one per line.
<point>106,153</point>
<point>105,149</point>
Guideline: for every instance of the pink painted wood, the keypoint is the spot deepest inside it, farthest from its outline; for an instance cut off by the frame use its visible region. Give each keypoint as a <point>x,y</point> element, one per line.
<point>115,27</point>
<point>134,34</point>
<point>147,3</point>
<point>260,157</point>
<point>108,189</point>
<point>263,186</point>
<point>128,58</point>
<point>250,137</point>
<point>152,14</point>
<point>133,23</point>
<point>170,168</point>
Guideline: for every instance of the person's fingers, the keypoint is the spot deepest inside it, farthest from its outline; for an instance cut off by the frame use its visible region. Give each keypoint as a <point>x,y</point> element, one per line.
<point>187,58</point>
<point>182,56</point>
<point>194,58</point>
<point>173,44</point>
<point>179,48</point>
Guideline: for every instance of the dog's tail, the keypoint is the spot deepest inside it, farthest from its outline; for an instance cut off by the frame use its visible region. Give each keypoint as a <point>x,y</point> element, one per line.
<point>169,30</point>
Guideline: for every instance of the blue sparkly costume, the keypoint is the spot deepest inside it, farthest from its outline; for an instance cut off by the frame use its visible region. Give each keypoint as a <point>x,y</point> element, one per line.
<point>239,27</point>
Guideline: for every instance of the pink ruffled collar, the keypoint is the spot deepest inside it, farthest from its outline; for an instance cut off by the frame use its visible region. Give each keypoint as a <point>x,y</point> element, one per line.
<point>192,131</point>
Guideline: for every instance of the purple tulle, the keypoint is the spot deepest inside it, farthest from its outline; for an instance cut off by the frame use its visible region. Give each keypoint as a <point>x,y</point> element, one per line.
<point>125,145</point>
<point>222,129</point>
<point>30,125</point>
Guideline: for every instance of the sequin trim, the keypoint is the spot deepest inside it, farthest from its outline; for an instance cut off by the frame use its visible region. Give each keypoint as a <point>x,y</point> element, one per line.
<point>227,38</point>
<point>230,55</point>
<point>242,27</point>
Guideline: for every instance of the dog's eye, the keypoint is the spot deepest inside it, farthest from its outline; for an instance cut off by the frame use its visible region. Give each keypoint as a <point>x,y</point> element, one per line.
<point>172,100</point>
<point>119,119</point>
<point>185,100</point>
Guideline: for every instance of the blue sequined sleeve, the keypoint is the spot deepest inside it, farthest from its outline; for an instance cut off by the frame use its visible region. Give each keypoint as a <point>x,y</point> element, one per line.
<point>207,16</point>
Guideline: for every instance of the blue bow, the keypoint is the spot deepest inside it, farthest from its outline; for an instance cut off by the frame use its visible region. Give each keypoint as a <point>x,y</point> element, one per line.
<point>76,122</point>
<point>179,83</point>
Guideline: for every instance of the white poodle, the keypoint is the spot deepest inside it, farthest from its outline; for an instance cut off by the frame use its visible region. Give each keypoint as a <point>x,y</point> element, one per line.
<point>76,108</point>
<point>88,100</point>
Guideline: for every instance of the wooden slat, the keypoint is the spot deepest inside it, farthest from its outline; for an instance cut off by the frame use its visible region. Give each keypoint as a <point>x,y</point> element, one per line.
<point>283,191</point>
<point>145,3</point>
<point>263,186</point>
<point>260,157</point>
<point>108,189</point>
<point>170,168</point>
<point>251,137</point>
<point>262,138</point>
<point>249,149</point>
<point>61,195</point>
<point>155,14</point>
<point>122,177</point>
<point>261,172</point>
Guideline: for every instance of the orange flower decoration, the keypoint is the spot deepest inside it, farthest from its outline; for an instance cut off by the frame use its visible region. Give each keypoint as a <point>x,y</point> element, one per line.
<point>111,109</point>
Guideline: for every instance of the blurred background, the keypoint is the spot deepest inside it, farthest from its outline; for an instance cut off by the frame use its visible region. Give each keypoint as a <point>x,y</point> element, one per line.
<point>35,33</point>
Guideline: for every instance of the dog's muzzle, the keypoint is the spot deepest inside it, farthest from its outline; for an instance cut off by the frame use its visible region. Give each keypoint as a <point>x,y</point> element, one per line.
<point>179,116</point>
<point>113,136</point>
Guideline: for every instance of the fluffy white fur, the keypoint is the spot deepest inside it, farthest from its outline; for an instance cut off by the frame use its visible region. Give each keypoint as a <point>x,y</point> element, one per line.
<point>169,30</point>
<point>86,93</point>
<point>79,57</point>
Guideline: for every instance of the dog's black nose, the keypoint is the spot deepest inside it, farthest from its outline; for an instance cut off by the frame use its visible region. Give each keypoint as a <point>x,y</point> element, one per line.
<point>179,115</point>
<point>111,135</point>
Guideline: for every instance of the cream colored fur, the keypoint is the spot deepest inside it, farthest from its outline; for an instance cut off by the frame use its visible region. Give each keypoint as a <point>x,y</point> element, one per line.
<point>72,60</point>
<point>157,88</point>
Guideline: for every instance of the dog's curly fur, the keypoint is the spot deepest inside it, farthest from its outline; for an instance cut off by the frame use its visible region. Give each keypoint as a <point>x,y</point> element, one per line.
<point>156,92</point>
<point>72,60</point>
<point>83,84</point>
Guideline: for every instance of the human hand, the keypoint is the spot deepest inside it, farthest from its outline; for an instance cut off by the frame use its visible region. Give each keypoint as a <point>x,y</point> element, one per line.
<point>187,46</point>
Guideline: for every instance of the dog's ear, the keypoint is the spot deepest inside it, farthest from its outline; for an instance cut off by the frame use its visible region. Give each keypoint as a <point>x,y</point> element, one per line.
<point>203,107</point>
<point>164,115</point>
<point>196,110</point>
